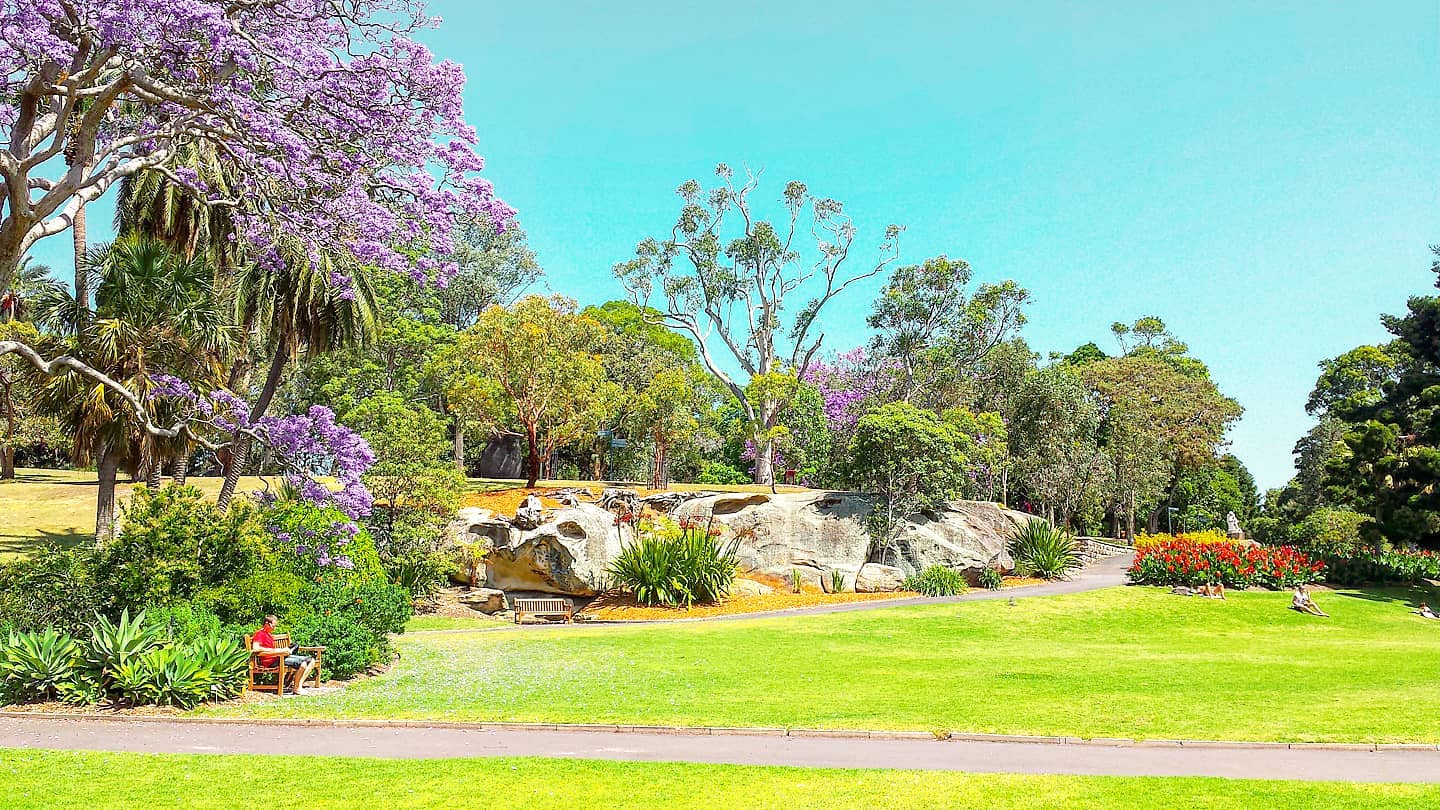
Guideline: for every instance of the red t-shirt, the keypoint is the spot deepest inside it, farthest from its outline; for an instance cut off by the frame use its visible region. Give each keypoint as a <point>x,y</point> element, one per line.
<point>266,639</point>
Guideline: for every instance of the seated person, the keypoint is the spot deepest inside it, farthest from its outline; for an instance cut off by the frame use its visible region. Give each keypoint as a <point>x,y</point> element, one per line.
<point>1427,612</point>
<point>1302,602</point>
<point>1217,591</point>
<point>264,642</point>
<point>1203,590</point>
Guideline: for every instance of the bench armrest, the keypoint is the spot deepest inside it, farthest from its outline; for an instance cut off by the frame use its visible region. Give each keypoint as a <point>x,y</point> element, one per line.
<point>312,649</point>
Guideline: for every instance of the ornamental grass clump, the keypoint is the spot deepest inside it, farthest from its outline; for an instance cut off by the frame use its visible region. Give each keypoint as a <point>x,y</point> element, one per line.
<point>1041,550</point>
<point>1184,562</point>
<point>937,580</point>
<point>670,563</point>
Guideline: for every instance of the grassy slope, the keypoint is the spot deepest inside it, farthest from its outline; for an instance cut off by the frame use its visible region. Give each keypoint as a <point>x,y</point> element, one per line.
<point>1128,662</point>
<point>59,505</point>
<point>38,779</point>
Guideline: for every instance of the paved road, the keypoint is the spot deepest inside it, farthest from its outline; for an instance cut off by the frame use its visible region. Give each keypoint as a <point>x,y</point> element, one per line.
<point>825,752</point>
<point>1105,573</point>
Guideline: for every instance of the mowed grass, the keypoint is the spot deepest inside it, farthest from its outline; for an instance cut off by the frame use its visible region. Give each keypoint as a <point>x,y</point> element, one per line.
<point>1120,662</point>
<point>59,506</point>
<point>64,779</point>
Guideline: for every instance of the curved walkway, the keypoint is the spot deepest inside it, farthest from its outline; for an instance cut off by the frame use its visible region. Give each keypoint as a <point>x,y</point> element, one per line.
<point>1116,758</point>
<point>1108,572</point>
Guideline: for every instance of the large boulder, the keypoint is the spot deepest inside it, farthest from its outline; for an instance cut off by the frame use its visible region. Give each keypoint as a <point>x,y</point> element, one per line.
<point>566,554</point>
<point>809,532</point>
<point>484,600</point>
<point>877,578</point>
<point>965,535</point>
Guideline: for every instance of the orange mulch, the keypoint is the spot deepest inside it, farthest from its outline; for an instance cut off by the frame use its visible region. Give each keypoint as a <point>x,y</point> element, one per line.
<point>1015,582</point>
<point>621,606</point>
<point>506,501</point>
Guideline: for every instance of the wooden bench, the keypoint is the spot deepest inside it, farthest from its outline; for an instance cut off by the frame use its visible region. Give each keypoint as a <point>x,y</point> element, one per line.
<point>544,608</point>
<point>278,668</point>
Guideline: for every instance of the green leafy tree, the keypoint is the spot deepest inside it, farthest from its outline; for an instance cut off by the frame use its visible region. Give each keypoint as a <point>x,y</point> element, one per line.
<point>911,459</point>
<point>933,331</point>
<point>1158,419</point>
<point>534,370</point>
<point>1054,444</point>
<point>1355,380</point>
<point>984,443</point>
<point>1389,467</point>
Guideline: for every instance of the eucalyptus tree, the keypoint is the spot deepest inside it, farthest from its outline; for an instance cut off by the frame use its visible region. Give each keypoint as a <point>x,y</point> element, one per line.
<point>723,274</point>
<point>932,331</point>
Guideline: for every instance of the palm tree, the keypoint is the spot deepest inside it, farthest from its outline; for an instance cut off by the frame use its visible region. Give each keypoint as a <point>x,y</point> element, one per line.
<point>151,204</point>
<point>155,312</point>
<point>298,301</point>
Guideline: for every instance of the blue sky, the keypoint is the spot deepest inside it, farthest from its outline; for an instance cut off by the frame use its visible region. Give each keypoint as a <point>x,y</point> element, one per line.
<point>1264,179</point>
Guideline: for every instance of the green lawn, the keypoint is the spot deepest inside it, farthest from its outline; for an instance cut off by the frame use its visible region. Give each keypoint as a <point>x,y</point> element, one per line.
<point>62,779</point>
<point>1124,662</point>
<point>480,622</point>
<point>59,506</point>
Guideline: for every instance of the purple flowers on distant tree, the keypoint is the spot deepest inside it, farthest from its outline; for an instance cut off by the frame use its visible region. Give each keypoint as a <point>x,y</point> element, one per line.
<point>846,384</point>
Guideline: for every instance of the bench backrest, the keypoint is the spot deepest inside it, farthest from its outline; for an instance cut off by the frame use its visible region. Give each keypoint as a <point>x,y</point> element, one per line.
<point>542,605</point>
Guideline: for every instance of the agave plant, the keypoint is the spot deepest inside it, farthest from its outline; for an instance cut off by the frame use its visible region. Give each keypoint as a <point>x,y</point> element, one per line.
<point>37,666</point>
<point>1043,551</point>
<point>226,660</point>
<point>114,643</point>
<point>164,675</point>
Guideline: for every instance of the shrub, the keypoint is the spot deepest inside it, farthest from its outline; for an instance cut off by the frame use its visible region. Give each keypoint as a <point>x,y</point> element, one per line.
<point>1331,531</point>
<point>991,578</point>
<point>1182,562</point>
<point>672,563</point>
<point>54,588</point>
<point>1381,567</point>
<point>185,623</point>
<point>421,573</point>
<point>937,580</point>
<point>1043,551</point>
<point>245,601</point>
<point>352,621</point>
<point>172,542</point>
<point>311,541</point>
<point>717,472</point>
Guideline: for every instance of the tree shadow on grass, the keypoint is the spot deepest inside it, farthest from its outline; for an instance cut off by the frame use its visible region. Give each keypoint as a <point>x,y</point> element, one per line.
<point>13,546</point>
<point>1409,595</point>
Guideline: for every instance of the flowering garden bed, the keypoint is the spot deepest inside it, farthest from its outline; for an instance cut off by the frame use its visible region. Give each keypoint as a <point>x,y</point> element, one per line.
<point>1187,562</point>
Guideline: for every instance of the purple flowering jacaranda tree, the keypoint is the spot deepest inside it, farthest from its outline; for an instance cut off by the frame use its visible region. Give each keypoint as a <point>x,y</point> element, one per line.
<point>342,133</point>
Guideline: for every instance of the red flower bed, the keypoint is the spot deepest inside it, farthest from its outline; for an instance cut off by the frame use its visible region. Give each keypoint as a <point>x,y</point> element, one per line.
<point>1184,562</point>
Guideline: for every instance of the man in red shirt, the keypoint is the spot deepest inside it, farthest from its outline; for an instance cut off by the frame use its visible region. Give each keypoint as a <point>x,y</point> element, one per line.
<point>264,642</point>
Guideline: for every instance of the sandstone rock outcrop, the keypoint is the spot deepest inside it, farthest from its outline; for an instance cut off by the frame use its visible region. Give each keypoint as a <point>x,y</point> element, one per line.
<point>567,553</point>
<point>812,535</point>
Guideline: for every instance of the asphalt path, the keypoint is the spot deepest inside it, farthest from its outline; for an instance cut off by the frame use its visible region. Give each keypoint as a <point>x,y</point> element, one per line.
<point>1232,760</point>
